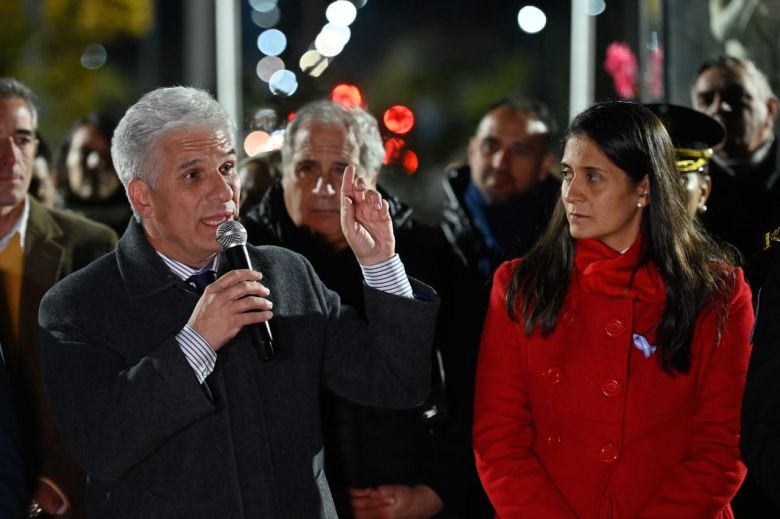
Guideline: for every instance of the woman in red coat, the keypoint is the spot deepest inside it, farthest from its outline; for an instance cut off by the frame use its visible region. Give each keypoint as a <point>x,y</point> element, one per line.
<point>613,356</point>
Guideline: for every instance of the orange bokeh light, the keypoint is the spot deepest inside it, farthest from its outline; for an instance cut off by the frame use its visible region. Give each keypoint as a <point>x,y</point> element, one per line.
<point>399,119</point>
<point>393,147</point>
<point>348,96</point>
<point>410,163</point>
<point>255,142</point>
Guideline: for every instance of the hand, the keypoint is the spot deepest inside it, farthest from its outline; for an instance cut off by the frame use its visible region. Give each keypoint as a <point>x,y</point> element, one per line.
<point>365,221</point>
<point>228,304</point>
<point>395,502</point>
<point>51,498</point>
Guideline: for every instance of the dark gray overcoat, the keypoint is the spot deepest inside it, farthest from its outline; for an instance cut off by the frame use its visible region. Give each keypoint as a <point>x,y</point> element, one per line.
<point>151,439</point>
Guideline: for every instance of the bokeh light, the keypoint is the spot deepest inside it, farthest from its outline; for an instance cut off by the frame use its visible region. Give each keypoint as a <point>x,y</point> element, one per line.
<point>268,19</point>
<point>393,147</point>
<point>94,56</point>
<point>410,162</point>
<point>313,63</point>
<point>338,34</point>
<point>341,12</point>
<point>359,3</point>
<point>328,44</point>
<point>263,6</point>
<point>399,119</point>
<point>272,42</point>
<point>595,7</point>
<point>265,119</point>
<point>255,142</point>
<point>348,96</point>
<point>531,19</point>
<point>268,66</point>
<point>283,82</point>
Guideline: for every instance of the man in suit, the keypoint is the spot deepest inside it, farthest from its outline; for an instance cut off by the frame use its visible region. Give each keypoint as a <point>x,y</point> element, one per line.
<point>38,247</point>
<point>154,380</point>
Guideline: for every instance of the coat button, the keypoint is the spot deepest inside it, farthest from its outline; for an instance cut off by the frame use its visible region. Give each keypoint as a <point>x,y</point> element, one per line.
<point>608,453</point>
<point>611,387</point>
<point>567,317</point>
<point>554,439</point>
<point>615,328</point>
<point>552,375</point>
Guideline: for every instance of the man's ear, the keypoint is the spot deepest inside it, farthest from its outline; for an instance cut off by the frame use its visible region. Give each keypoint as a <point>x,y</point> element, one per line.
<point>138,193</point>
<point>771,106</point>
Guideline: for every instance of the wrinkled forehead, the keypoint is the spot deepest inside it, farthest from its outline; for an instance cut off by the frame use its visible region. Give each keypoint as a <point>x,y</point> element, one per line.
<point>316,139</point>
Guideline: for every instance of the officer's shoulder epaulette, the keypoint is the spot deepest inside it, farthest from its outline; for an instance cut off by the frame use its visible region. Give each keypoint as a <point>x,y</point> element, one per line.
<point>772,239</point>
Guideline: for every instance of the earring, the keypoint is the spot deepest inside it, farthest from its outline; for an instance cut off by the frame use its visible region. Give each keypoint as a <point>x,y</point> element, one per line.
<point>639,204</point>
<point>703,208</point>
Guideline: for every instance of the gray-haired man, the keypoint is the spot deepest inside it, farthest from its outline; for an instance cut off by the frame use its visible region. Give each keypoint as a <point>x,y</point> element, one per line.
<point>157,388</point>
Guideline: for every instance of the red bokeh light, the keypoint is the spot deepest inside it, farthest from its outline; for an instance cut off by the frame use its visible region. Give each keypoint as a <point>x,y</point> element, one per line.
<point>399,119</point>
<point>290,116</point>
<point>410,162</point>
<point>348,96</point>
<point>393,147</point>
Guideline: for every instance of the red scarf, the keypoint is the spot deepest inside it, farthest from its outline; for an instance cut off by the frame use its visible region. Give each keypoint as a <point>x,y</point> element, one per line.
<point>599,269</point>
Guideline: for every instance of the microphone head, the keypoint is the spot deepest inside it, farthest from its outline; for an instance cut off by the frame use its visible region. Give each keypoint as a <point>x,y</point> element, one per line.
<point>231,233</point>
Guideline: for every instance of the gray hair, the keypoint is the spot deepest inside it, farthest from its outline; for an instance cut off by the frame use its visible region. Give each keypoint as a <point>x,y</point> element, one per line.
<point>11,88</point>
<point>361,124</point>
<point>156,115</point>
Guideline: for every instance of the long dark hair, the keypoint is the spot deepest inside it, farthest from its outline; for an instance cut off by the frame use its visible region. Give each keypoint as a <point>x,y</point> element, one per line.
<point>694,268</point>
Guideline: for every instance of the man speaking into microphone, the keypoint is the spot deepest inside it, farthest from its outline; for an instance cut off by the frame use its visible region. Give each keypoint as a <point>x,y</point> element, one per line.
<point>156,384</point>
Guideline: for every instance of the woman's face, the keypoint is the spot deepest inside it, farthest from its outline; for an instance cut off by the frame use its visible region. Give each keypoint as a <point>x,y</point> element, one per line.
<point>600,200</point>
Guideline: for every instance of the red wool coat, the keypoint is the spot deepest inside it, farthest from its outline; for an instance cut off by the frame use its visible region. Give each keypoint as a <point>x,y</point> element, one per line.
<point>582,424</point>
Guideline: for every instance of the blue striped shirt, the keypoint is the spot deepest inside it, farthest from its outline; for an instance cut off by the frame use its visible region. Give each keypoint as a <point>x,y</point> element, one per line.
<point>388,276</point>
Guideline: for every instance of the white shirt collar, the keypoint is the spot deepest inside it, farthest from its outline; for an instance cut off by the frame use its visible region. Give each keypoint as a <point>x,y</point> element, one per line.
<point>19,226</point>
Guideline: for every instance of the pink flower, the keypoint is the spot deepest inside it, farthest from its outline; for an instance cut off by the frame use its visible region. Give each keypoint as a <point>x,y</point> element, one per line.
<point>620,63</point>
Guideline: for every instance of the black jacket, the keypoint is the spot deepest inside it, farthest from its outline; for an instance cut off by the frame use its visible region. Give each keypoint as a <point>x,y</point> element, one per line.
<point>743,208</point>
<point>366,446</point>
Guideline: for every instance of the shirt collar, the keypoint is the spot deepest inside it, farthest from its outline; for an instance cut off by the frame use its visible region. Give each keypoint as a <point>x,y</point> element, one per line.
<point>19,226</point>
<point>183,271</point>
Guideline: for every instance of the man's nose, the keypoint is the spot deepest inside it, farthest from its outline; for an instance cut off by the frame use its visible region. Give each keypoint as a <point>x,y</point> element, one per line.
<point>221,188</point>
<point>8,155</point>
<point>500,159</point>
<point>324,186</point>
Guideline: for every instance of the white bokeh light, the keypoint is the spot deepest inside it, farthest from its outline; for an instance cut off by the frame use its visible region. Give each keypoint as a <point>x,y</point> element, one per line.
<point>268,19</point>
<point>595,7</point>
<point>272,42</point>
<point>328,44</point>
<point>263,6</point>
<point>341,12</point>
<point>268,66</point>
<point>531,19</point>
<point>337,34</point>
<point>283,82</point>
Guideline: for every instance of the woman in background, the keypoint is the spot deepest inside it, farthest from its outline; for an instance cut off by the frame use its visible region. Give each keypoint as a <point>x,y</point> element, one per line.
<point>613,355</point>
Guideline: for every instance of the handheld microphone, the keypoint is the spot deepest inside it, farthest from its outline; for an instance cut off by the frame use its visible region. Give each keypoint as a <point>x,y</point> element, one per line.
<point>231,236</point>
